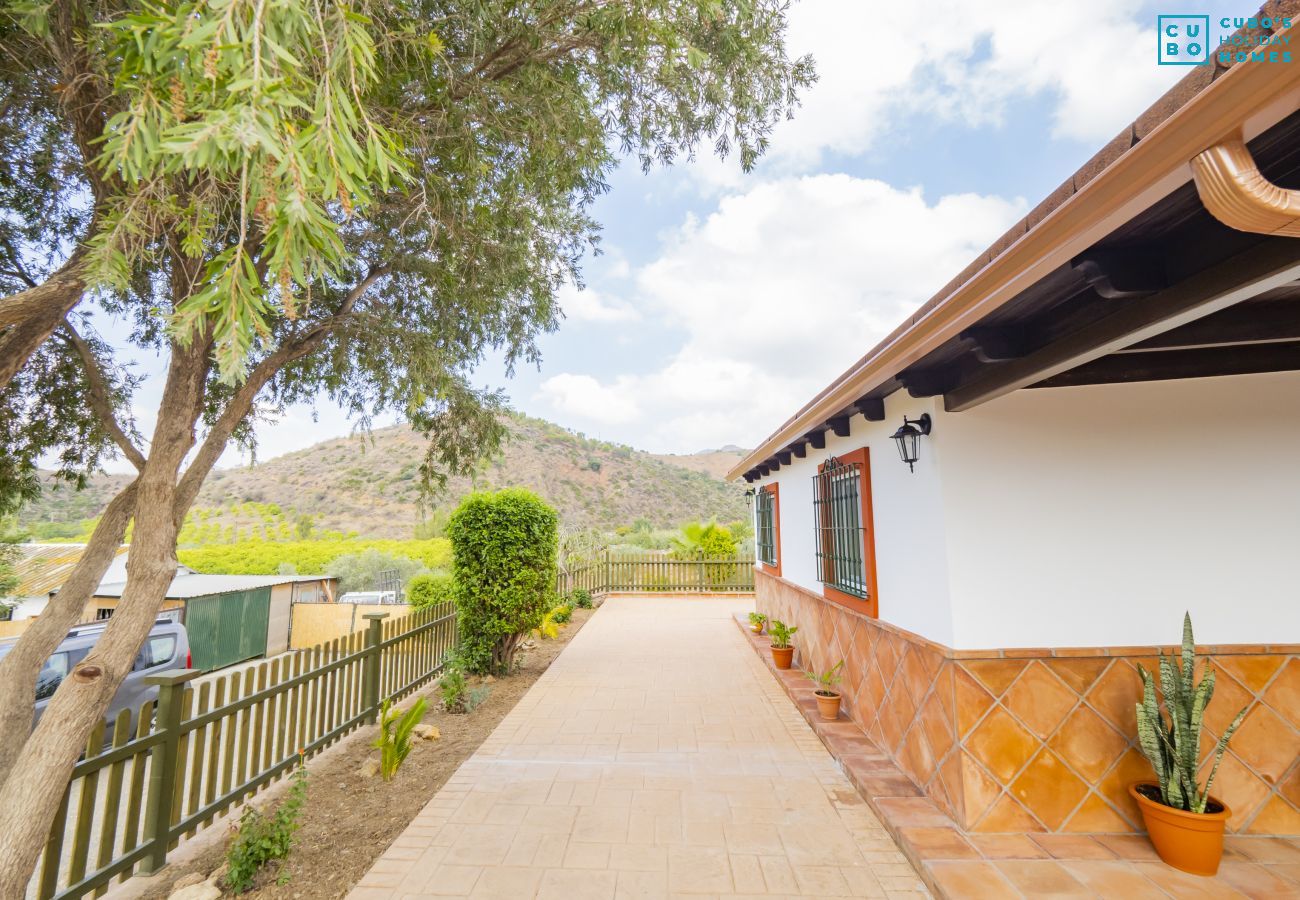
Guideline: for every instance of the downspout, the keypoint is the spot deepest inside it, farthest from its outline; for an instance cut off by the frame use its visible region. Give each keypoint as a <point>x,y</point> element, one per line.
<point>1237,194</point>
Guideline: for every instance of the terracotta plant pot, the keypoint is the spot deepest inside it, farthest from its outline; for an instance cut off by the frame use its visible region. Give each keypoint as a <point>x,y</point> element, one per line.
<point>1192,842</point>
<point>783,656</point>
<point>828,704</point>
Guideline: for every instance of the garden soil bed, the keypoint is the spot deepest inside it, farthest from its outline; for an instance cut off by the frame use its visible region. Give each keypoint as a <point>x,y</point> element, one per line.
<point>349,820</point>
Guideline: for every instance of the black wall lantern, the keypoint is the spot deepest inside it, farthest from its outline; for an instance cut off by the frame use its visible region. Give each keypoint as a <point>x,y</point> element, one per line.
<point>906,438</point>
<point>749,497</point>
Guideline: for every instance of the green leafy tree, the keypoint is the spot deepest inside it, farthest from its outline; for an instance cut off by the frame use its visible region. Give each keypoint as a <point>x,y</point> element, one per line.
<point>503,546</point>
<point>366,570</point>
<point>293,201</point>
<point>708,539</point>
<point>429,588</point>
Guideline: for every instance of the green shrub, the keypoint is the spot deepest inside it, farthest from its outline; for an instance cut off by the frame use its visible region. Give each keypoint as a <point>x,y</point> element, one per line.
<point>503,550</point>
<point>562,613</point>
<point>308,557</point>
<point>457,694</point>
<point>394,738</point>
<point>429,588</point>
<point>262,839</point>
<point>581,598</point>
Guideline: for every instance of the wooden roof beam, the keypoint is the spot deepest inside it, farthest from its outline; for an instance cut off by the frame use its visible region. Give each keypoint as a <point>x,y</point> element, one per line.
<point>1261,268</point>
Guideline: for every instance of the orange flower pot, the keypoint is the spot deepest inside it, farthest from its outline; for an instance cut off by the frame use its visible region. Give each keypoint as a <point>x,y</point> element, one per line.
<point>828,704</point>
<point>783,656</point>
<point>1192,842</point>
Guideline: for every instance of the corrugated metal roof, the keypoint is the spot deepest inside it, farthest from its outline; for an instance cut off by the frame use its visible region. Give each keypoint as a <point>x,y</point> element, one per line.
<point>193,584</point>
<point>44,567</point>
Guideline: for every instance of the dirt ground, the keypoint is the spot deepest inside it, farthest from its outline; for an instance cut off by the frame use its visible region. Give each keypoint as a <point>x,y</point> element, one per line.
<point>349,820</point>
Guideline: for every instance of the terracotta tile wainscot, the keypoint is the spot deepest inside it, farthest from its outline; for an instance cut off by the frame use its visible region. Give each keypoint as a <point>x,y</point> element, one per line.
<point>1040,741</point>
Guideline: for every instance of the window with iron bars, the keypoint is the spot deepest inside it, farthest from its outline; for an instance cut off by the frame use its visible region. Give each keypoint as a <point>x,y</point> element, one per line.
<point>765,536</point>
<point>837,518</point>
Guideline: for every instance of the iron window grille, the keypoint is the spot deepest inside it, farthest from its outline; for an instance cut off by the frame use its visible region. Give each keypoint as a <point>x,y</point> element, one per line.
<point>837,518</point>
<point>766,532</point>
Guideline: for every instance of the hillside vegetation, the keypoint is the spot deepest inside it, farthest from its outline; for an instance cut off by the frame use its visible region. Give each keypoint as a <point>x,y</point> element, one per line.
<point>368,487</point>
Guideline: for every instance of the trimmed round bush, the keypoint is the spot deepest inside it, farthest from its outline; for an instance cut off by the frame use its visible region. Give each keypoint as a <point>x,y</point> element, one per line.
<point>430,588</point>
<point>503,561</point>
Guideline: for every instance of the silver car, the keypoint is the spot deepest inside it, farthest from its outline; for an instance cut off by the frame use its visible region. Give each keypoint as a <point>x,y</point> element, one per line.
<point>167,647</point>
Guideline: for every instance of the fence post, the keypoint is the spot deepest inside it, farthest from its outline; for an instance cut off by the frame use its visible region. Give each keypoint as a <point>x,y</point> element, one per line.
<point>700,566</point>
<point>370,674</point>
<point>609,572</point>
<point>162,765</point>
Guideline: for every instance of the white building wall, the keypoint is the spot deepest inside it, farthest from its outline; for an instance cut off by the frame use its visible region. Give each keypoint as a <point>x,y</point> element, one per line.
<point>911,568</point>
<point>1097,515</point>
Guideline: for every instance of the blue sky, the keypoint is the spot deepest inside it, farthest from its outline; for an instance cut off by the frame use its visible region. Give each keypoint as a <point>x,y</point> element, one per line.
<point>723,301</point>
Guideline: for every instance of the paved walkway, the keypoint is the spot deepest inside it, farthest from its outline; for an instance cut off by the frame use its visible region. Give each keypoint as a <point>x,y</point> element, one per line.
<point>655,757</point>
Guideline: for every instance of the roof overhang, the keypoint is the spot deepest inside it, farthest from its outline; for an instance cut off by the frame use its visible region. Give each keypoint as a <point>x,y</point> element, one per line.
<point>1244,102</point>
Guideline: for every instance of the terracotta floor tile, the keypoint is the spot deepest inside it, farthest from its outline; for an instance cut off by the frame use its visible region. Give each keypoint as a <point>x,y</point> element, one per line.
<point>1129,846</point>
<point>962,880</point>
<point>1191,887</point>
<point>1264,849</point>
<point>1007,846</point>
<point>1072,846</point>
<point>1114,879</point>
<point>1042,878</point>
<point>938,843</point>
<point>1257,881</point>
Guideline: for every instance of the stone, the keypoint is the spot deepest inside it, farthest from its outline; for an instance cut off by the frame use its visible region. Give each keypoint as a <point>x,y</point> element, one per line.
<point>189,880</point>
<point>370,768</point>
<point>218,875</point>
<point>203,891</point>
<point>427,732</point>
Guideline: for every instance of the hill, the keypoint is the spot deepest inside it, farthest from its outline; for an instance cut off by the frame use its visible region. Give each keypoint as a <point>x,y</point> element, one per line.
<point>369,485</point>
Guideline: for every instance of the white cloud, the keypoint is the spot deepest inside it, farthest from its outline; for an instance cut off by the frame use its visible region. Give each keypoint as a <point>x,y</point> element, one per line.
<point>585,397</point>
<point>588,305</point>
<point>882,66</point>
<point>777,292</point>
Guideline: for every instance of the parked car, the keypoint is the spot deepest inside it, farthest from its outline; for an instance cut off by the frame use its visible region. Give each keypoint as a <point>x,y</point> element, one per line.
<point>167,647</point>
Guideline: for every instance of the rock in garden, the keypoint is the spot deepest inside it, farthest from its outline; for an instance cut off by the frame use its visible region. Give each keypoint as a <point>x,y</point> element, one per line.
<point>370,768</point>
<point>189,880</point>
<point>203,891</point>
<point>428,732</point>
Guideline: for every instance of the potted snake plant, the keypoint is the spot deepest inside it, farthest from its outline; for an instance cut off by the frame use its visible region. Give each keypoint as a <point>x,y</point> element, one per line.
<point>782,652</point>
<point>1185,823</point>
<point>757,621</point>
<point>828,699</point>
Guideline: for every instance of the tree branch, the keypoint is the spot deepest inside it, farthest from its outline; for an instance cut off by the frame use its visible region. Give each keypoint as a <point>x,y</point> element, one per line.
<point>100,398</point>
<point>239,405</point>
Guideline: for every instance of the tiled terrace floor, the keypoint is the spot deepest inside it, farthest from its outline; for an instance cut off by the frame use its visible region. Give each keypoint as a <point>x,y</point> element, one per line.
<point>656,757</point>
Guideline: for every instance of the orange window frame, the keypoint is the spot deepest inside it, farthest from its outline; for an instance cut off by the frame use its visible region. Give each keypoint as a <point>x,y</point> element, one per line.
<point>871,605</point>
<point>775,491</point>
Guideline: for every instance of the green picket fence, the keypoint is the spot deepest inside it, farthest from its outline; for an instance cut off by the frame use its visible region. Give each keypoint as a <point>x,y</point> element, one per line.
<point>199,751</point>
<point>659,573</point>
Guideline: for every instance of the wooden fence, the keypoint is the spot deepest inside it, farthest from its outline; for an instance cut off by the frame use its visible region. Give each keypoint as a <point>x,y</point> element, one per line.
<point>659,573</point>
<point>200,751</point>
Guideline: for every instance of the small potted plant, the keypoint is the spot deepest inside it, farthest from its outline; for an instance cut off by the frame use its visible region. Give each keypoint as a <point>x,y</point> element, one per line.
<point>828,699</point>
<point>782,652</point>
<point>756,622</point>
<point>1184,822</point>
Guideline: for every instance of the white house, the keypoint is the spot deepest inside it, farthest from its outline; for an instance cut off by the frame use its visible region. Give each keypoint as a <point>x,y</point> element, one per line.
<point>1102,420</point>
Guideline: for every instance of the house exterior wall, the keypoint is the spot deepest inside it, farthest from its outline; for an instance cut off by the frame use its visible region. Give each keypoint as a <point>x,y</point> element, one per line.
<point>908,512</point>
<point>1097,515</point>
<point>1046,544</point>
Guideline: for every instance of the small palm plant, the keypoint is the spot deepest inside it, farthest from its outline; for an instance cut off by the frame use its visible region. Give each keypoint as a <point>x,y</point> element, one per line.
<point>781,633</point>
<point>1174,747</point>
<point>394,738</point>
<point>827,680</point>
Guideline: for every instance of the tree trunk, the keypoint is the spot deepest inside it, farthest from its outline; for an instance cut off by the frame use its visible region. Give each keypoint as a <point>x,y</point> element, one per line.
<point>20,668</point>
<point>42,768</point>
<point>28,318</point>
